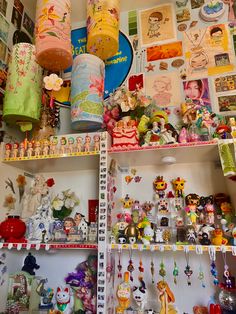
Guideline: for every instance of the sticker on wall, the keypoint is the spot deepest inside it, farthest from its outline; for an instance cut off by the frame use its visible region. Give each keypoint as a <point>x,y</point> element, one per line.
<point>135,42</point>
<point>133,23</point>
<point>121,63</point>
<point>16,18</point>
<point>182,27</point>
<point>195,4</point>
<point>3,7</point>
<point>177,63</point>
<point>164,51</point>
<point>163,66</point>
<point>157,25</point>
<point>28,24</point>
<point>183,15</point>
<point>4,28</point>
<point>3,50</point>
<point>19,6</point>
<point>150,67</point>
<point>198,91</point>
<point>164,89</point>
<point>135,81</point>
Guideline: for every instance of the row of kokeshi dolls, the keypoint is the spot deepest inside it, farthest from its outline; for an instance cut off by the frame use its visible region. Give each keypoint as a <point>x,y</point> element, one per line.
<point>54,146</point>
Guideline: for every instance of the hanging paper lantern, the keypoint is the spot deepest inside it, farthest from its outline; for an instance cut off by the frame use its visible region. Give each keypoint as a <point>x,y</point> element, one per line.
<point>22,101</point>
<point>87,89</point>
<point>103,27</point>
<point>52,34</point>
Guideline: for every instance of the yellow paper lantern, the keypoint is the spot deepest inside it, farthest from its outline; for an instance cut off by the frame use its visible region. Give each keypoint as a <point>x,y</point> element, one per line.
<point>53,34</point>
<point>103,28</point>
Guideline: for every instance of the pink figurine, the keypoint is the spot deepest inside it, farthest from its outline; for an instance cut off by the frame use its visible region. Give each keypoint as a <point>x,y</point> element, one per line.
<point>29,149</point>
<point>53,145</point>
<point>87,143</point>
<point>45,147</point>
<point>37,148</point>
<point>79,144</point>
<point>183,136</point>
<point>63,142</point>
<point>22,149</point>
<point>192,202</point>
<point>96,139</point>
<point>8,150</point>
<point>209,209</point>
<point>15,150</point>
<point>70,148</point>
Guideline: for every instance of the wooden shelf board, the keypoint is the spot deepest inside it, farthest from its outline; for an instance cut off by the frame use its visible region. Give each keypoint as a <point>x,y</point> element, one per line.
<point>56,163</point>
<point>48,246</point>
<point>184,153</point>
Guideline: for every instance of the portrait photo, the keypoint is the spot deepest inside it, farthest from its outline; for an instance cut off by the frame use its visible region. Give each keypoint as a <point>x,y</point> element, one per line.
<point>198,91</point>
<point>16,18</point>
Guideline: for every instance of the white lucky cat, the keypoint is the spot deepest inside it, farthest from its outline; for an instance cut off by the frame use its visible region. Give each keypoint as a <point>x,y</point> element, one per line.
<point>64,302</point>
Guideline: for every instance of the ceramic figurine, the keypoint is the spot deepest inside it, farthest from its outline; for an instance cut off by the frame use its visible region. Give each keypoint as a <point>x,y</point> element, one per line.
<point>122,239</point>
<point>178,186</point>
<point>179,221</point>
<point>8,147</point>
<point>53,145</point>
<point>123,294</point>
<point>46,295</point>
<point>217,237</point>
<point>191,235</point>
<point>208,203</point>
<point>22,150</point>
<point>96,140</point>
<point>63,145</point>
<point>45,148</point>
<point>140,295</point>
<point>82,225</point>
<point>183,136</point>
<point>166,135</point>
<point>158,236</point>
<point>37,148</point>
<point>119,229</point>
<point>68,225</point>
<point>64,302</point>
<point>87,143</point>
<point>192,202</point>
<point>70,147</point>
<point>204,239</point>
<point>15,150</point>
<point>79,144</point>
<point>166,298</point>
<point>30,149</point>
<point>160,186</point>
<point>148,234</point>
<point>30,264</point>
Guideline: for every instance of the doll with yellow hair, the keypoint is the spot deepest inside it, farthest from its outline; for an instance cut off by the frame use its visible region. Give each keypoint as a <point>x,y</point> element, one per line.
<point>166,298</point>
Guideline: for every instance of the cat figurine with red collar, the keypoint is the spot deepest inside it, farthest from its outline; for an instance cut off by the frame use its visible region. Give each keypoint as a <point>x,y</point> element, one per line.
<point>64,302</point>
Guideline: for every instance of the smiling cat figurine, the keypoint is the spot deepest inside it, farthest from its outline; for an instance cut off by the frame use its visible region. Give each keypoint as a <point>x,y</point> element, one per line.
<point>64,302</point>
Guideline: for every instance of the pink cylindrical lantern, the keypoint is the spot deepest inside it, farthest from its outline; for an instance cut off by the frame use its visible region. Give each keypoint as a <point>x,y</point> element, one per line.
<point>53,34</point>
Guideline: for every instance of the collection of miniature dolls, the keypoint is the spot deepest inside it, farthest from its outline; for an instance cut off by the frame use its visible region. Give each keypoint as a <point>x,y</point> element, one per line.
<point>174,217</point>
<point>68,144</point>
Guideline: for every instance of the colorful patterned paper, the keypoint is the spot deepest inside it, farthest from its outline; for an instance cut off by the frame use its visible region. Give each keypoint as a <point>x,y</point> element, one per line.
<point>87,89</point>
<point>52,34</point>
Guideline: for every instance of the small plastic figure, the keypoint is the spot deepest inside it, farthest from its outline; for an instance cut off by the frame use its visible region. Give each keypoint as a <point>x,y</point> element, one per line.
<point>217,238</point>
<point>29,149</point>
<point>53,145</point>
<point>8,147</point>
<point>46,295</point>
<point>192,201</point>
<point>166,298</point>
<point>178,186</point>
<point>15,150</point>
<point>162,206</point>
<point>232,124</point>
<point>140,295</point>
<point>160,186</point>
<point>148,234</point>
<point>158,236</point>
<point>208,203</point>
<point>183,136</point>
<point>96,140</point>
<point>30,264</point>
<point>191,235</point>
<point>63,143</point>
<point>68,224</point>
<point>45,147</point>
<point>82,225</point>
<point>70,147</point>
<point>79,144</point>
<point>64,303</point>
<point>87,143</point>
<point>204,240</point>
<point>22,149</point>
<point>37,148</point>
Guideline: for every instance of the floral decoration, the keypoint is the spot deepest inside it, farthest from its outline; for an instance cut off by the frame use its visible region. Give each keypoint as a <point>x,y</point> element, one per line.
<point>9,202</point>
<point>64,203</point>
<point>50,182</point>
<point>53,82</point>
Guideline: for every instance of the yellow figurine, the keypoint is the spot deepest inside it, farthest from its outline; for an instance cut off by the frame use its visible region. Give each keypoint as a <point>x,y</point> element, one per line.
<point>218,238</point>
<point>178,186</point>
<point>123,294</point>
<point>166,298</point>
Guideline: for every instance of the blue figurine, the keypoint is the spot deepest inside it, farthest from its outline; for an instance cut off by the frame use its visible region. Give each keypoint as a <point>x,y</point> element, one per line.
<point>30,264</point>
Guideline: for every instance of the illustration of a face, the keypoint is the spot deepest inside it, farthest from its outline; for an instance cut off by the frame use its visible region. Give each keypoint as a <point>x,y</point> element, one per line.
<point>199,61</point>
<point>193,90</point>
<point>153,20</point>
<point>159,86</point>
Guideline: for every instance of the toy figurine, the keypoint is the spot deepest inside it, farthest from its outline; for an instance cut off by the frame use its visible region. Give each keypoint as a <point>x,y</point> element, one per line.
<point>162,206</point>
<point>205,120</point>
<point>140,295</point>
<point>192,201</point>
<point>217,237</point>
<point>181,235</point>
<point>63,301</point>
<point>29,149</point>
<point>209,209</point>
<point>68,224</point>
<point>160,186</point>
<point>166,135</point>
<point>53,145</point>
<point>123,294</point>
<point>8,150</point>
<point>191,235</point>
<point>232,124</point>
<point>204,239</point>
<point>63,143</point>
<point>178,186</point>
<point>82,225</point>
<point>96,140</point>
<point>164,222</point>
<point>119,229</point>
<point>45,147</point>
<point>158,236</point>
<point>166,234</point>
<point>87,143</point>
<point>166,298</point>
<point>30,264</point>
<point>122,239</point>
<point>22,149</point>
<point>179,221</point>
<point>15,150</point>
<point>183,136</point>
<point>234,236</point>
<point>37,148</point>
<point>70,148</point>
<point>148,234</point>
<point>79,144</point>
<point>132,233</point>
<point>46,295</point>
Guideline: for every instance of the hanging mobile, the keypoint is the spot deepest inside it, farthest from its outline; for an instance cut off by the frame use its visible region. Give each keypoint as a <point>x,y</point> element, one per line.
<point>175,272</point>
<point>188,271</point>
<point>130,267</point>
<point>228,281</point>
<point>162,271</point>
<point>119,266</point>
<point>214,271</point>
<point>152,270</point>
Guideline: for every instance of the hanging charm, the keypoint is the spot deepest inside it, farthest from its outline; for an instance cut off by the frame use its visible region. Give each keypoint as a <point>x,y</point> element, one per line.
<point>201,276</point>
<point>188,271</point>
<point>228,281</point>
<point>162,271</point>
<point>175,272</point>
<point>130,267</point>
<point>152,270</point>
<point>119,266</point>
<point>214,271</point>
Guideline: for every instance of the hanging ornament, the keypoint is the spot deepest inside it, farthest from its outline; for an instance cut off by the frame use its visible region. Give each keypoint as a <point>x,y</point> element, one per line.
<point>152,268</point>
<point>201,276</point>
<point>52,83</point>
<point>130,267</point>
<point>214,271</point>
<point>228,282</point>
<point>162,271</point>
<point>188,271</point>
<point>119,266</point>
<point>52,34</point>
<point>175,272</point>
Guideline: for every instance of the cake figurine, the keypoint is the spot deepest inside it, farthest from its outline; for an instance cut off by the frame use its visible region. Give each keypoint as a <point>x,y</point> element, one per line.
<point>8,150</point>
<point>212,10</point>
<point>125,134</point>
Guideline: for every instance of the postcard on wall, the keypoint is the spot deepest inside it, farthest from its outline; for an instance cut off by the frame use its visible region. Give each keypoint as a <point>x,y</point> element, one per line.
<point>19,6</point>
<point>16,18</point>
<point>227,104</point>
<point>3,50</point>
<point>136,82</point>
<point>4,28</point>
<point>157,25</point>
<point>208,51</point>
<point>198,91</point>
<point>3,7</point>
<point>166,51</point>
<point>164,89</point>
<point>28,24</point>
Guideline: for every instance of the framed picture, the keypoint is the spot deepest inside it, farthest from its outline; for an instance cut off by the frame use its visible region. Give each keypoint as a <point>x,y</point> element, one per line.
<point>3,7</point>
<point>3,50</point>
<point>28,24</point>
<point>16,18</point>
<point>19,6</point>
<point>157,25</point>
<point>198,91</point>
<point>4,28</point>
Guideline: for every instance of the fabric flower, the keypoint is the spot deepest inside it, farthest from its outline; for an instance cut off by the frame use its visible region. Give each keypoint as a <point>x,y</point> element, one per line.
<point>9,202</point>
<point>57,204</point>
<point>21,180</point>
<point>50,182</point>
<point>53,82</point>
